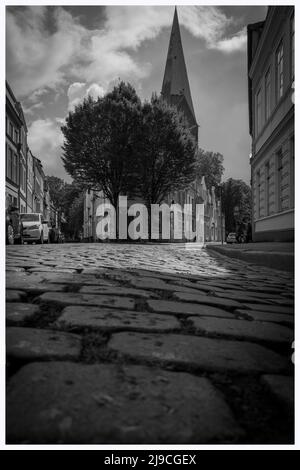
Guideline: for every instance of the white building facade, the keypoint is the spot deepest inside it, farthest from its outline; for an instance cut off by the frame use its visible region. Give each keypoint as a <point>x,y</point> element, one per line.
<point>271,61</point>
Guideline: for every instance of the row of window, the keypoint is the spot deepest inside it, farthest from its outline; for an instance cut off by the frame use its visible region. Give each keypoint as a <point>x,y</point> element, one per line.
<point>263,113</point>
<point>16,135</point>
<point>15,171</point>
<point>283,203</point>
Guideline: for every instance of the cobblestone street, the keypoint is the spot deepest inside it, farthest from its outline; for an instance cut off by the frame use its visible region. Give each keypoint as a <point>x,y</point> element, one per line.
<point>157,344</point>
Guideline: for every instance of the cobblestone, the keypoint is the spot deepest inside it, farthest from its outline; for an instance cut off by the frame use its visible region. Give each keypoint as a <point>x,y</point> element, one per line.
<point>113,319</point>
<point>251,330</point>
<point>198,352</point>
<point>207,300</point>
<point>33,344</point>
<point>17,312</point>
<point>118,405</point>
<point>267,316</point>
<point>165,343</point>
<point>270,308</point>
<point>87,299</point>
<point>281,387</point>
<point>182,308</point>
<point>116,290</point>
<point>15,295</point>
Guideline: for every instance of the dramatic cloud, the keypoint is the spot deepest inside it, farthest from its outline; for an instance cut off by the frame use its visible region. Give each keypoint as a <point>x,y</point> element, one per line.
<point>39,57</point>
<point>45,140</point>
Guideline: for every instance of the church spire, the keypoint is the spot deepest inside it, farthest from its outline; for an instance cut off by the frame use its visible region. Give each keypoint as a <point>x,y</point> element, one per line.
<point>176,88</point>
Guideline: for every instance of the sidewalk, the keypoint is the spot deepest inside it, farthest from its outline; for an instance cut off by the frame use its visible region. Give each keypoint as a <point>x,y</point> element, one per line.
<point>272,255</point>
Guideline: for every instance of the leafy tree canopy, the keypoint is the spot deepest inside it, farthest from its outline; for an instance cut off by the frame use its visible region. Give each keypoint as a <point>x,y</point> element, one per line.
<point>99,147</point>
<point>167,152</point>
<point>121,146</point>
<point>210,165</point>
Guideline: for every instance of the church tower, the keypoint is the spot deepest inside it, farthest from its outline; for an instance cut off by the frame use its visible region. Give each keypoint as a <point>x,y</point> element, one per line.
<point>175,88</point>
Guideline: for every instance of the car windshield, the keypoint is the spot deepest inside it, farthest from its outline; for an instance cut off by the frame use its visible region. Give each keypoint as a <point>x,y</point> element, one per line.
<point>30,217</point>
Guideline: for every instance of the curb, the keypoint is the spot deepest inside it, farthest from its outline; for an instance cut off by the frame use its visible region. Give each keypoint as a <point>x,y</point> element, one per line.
<point>274,260</point>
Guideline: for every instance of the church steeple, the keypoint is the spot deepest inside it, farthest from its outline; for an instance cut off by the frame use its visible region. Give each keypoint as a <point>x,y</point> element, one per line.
<point>176,88</point>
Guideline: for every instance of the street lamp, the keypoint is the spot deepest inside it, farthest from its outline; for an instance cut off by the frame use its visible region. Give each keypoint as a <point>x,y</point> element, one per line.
<point>221,214</point>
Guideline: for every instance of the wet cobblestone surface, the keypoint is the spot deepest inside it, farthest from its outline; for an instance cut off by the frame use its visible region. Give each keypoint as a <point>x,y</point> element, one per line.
<point>120,343</point>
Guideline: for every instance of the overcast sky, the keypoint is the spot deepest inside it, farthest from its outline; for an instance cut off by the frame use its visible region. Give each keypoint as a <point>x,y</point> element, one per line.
<point>58,55</point>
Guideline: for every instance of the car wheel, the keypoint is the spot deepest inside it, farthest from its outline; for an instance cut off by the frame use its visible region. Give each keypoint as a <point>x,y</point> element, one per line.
<point>10,235</point>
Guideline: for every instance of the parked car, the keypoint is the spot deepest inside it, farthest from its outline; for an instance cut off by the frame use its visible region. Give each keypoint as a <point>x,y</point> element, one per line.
<point>14,227</point>
<point>231,238</point>
<point>35,228</point>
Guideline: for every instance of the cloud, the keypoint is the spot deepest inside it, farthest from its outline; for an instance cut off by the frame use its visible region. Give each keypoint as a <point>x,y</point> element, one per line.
<point>36,57</point>
<point>41,57</point>
<point>45,140</point>
<point>233,44</point>
<point>205,22</point>
<point>78,91</point>
<point>30,110</point>
<point>211,24</point>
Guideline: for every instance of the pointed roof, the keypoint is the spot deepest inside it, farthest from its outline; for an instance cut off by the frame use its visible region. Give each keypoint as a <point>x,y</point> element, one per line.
<point>176,82</point>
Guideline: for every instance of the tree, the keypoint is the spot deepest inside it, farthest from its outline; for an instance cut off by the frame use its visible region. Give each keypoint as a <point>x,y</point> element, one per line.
<point>236,204</point>
<point>56,188</point>
<point>68,198</point>
<point>75,218</point>
<point>99,147</point>
<point>167,152</point>
<point>210,165</point>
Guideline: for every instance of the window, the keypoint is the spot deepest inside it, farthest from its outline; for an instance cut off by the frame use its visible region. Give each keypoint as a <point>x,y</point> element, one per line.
<point>279,72</point>
<point>279,179</point>
<point>11,130</point>
<point>15,175</point>
<point>258,193</point>
<point>258,112</point>
<point>267,188</point>
<point>9,163</point>
<point>22,177</point>
<point>267,94</point>
<point>16,136</point>
<point>293,48</point>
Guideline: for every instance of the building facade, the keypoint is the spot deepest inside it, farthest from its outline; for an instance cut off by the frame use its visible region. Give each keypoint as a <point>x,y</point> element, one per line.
<point>25,186</point>
<point>38,186</point>
<point>271,69</point>
<point>16,153</point>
